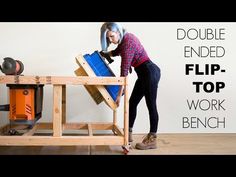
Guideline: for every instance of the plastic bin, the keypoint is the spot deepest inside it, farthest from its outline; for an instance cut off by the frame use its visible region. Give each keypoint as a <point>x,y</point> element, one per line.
<point>100,68</point>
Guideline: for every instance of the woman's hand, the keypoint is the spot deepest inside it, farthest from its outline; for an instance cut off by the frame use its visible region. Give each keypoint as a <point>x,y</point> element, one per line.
<point>118,101</point>
<point>119,96</point>
<point>107,56</point>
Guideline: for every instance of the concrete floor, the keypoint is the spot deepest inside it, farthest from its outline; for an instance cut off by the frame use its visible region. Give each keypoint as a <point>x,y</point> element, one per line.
<point>168,144</point>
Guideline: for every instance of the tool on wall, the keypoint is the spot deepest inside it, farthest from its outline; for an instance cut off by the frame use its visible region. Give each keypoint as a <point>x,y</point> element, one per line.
<point>26,100</point>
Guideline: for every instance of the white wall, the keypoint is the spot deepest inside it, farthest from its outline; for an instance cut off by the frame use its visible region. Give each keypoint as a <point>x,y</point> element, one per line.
<point>50,49</point>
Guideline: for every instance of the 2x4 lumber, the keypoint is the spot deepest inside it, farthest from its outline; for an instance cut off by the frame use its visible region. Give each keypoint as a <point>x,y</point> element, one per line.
<point>102,126</point>
<point>83,63</point>
<point>75,126</point>
<point>57,110</point>
<point>118,130</point>
<point>31,131</point>
<point>92,90</point>
<point>60,141</point>
<point>84,126</point>
<point>62,80</point>
<point>63,104</point>
<point>90,131</point>
<point>114,117</point>
<point>44,126</point>
<point>107,97</point>
<point>78,126</point>
<point>126,112</point>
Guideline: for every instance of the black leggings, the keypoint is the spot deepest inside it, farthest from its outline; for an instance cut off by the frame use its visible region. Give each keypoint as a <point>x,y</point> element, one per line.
<point>146,85</point>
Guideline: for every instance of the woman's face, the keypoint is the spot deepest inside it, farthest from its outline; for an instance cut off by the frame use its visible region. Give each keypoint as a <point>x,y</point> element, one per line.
<point>113,37</point>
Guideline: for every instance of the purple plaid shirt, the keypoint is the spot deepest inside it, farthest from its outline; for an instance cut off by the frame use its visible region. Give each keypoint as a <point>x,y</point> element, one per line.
<point>132,53</point>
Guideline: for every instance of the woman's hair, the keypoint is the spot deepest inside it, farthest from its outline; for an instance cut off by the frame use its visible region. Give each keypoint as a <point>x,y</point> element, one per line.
<point>110,26</point>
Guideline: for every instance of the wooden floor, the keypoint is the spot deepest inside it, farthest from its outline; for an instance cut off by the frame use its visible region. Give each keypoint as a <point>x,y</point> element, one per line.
<point>168,144</point>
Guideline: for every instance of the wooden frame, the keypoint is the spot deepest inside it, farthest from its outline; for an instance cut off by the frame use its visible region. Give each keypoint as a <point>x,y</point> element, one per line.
<point>59,124</point>
<point>99,89</point>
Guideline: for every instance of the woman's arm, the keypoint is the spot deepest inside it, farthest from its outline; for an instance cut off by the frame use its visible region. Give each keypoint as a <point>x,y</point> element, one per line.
<point>119,95</point>
<point>107,55</point>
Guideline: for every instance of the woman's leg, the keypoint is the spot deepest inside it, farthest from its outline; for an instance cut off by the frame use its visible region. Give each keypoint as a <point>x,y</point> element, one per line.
<point>151,85</point>
<point>151,96</point>
<point>136,96</point>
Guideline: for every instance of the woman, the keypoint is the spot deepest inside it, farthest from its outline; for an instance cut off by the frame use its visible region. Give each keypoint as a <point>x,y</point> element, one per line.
<point>134,55</point>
